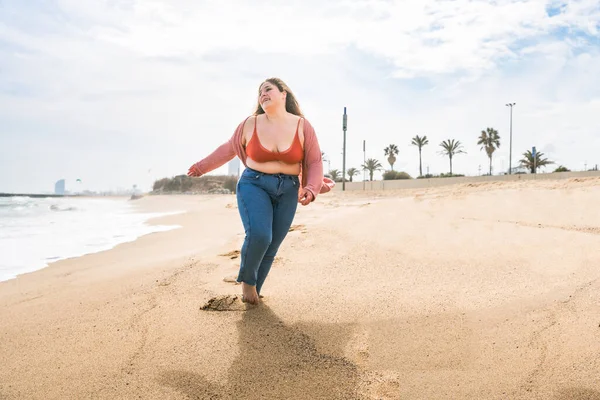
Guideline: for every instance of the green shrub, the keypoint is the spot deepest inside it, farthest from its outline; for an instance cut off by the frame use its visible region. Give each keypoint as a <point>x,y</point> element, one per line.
<point>392,175</point>
<point>230,183</point>
<point>562,169</point>
<point>448,175</point>
<point>426,176</point>
<point>203,184</point>
<point>180,183</point>
<point>160,184</point>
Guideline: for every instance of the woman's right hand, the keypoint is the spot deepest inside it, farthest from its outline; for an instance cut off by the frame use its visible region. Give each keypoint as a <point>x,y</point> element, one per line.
<point>193,171</point>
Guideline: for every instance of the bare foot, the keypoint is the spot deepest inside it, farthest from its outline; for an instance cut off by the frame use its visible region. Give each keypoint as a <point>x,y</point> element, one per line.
<point>249,294</point>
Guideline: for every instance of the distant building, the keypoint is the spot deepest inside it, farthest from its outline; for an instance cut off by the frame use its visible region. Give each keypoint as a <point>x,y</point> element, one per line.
<point>59,187</point>
<point>234,167</point>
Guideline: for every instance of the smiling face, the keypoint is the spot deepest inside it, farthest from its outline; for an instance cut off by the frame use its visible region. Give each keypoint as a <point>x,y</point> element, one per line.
<point>274,93</point>
<point>270,97</point>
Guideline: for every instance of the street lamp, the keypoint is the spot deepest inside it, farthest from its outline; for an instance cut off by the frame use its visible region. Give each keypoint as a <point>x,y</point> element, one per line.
<point>364,162</point>
<point>510,146</point>
<point>344,128</point>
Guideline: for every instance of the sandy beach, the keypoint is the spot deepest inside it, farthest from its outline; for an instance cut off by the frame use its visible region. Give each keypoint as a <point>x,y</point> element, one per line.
<point>471,291</point>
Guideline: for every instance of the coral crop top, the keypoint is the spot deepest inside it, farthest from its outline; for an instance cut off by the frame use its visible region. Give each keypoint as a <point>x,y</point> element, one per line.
<point>256,151</point>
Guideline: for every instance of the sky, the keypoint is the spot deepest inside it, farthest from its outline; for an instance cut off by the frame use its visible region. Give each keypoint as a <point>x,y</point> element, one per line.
<point>122,92</point>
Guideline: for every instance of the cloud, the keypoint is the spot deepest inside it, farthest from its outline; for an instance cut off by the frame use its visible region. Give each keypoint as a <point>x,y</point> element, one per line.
<point>122,86</point>
<point>417,37</point>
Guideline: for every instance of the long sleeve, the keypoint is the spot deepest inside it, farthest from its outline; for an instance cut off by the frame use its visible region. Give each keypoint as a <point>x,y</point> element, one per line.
<point>223,154</point>
<point>220,156</point>
<point>313,178</point>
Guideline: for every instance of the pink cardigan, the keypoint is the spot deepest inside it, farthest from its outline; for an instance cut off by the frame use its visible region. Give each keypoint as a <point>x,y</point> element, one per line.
<point>311,175</point>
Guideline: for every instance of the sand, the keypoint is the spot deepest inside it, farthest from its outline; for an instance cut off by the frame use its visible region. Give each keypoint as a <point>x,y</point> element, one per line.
<point>481,291</point>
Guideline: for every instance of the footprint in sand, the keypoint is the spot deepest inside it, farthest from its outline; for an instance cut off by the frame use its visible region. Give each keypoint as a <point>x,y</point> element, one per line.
<point>230,302</point>
<point>230,205</point>
<point>300,228</point>
<point>375,385</point>
<point>358,347</point>
<point>224,303</point>
<point>279,261</point>
<point>382,385</point>
<point>164,282</point>
<point>232,254</point>
<point>231,279</point>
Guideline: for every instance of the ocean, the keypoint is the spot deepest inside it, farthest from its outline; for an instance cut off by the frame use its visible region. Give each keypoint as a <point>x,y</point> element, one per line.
<point>35,232</point>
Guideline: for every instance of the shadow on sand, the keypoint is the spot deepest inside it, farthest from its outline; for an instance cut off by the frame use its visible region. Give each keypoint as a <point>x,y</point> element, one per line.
<point>275,362</point>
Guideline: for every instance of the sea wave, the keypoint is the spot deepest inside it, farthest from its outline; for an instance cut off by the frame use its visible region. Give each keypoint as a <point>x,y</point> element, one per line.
<point>38,231</point>
<point>55,207</point>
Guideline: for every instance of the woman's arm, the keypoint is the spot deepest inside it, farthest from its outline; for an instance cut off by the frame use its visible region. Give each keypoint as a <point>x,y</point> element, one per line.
<point>313,162</point>
<point>220,156</point>
<point>224,153</point>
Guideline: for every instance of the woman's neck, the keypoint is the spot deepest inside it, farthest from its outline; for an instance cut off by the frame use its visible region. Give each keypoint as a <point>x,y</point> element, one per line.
<point>276,115</point>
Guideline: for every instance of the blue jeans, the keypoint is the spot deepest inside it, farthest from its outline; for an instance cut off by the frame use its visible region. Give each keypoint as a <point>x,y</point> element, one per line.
<point>267,204</point>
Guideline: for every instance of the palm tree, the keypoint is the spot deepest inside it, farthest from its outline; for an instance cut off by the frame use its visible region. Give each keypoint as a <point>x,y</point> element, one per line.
<point>527,161</point>
<point>450,148</point>
<point>391,151</point>
<point>351,172</point>
<point>420,142</point>
<point>372,165</point>
<point>490,141</point>
<point>335,175</point>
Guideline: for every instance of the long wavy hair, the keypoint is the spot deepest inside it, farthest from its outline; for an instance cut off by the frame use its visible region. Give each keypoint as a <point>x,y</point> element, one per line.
<point>291,104</point>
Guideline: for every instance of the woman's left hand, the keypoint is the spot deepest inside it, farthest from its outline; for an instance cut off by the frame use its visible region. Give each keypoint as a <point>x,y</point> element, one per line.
<point>193,171</point>
<point>305,197</point>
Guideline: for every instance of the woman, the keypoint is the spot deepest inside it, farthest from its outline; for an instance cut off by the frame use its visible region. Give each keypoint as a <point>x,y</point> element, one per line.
<point>281,153</point>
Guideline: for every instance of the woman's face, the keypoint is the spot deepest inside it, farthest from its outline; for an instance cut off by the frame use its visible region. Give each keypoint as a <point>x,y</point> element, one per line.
<point>269,96</point>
